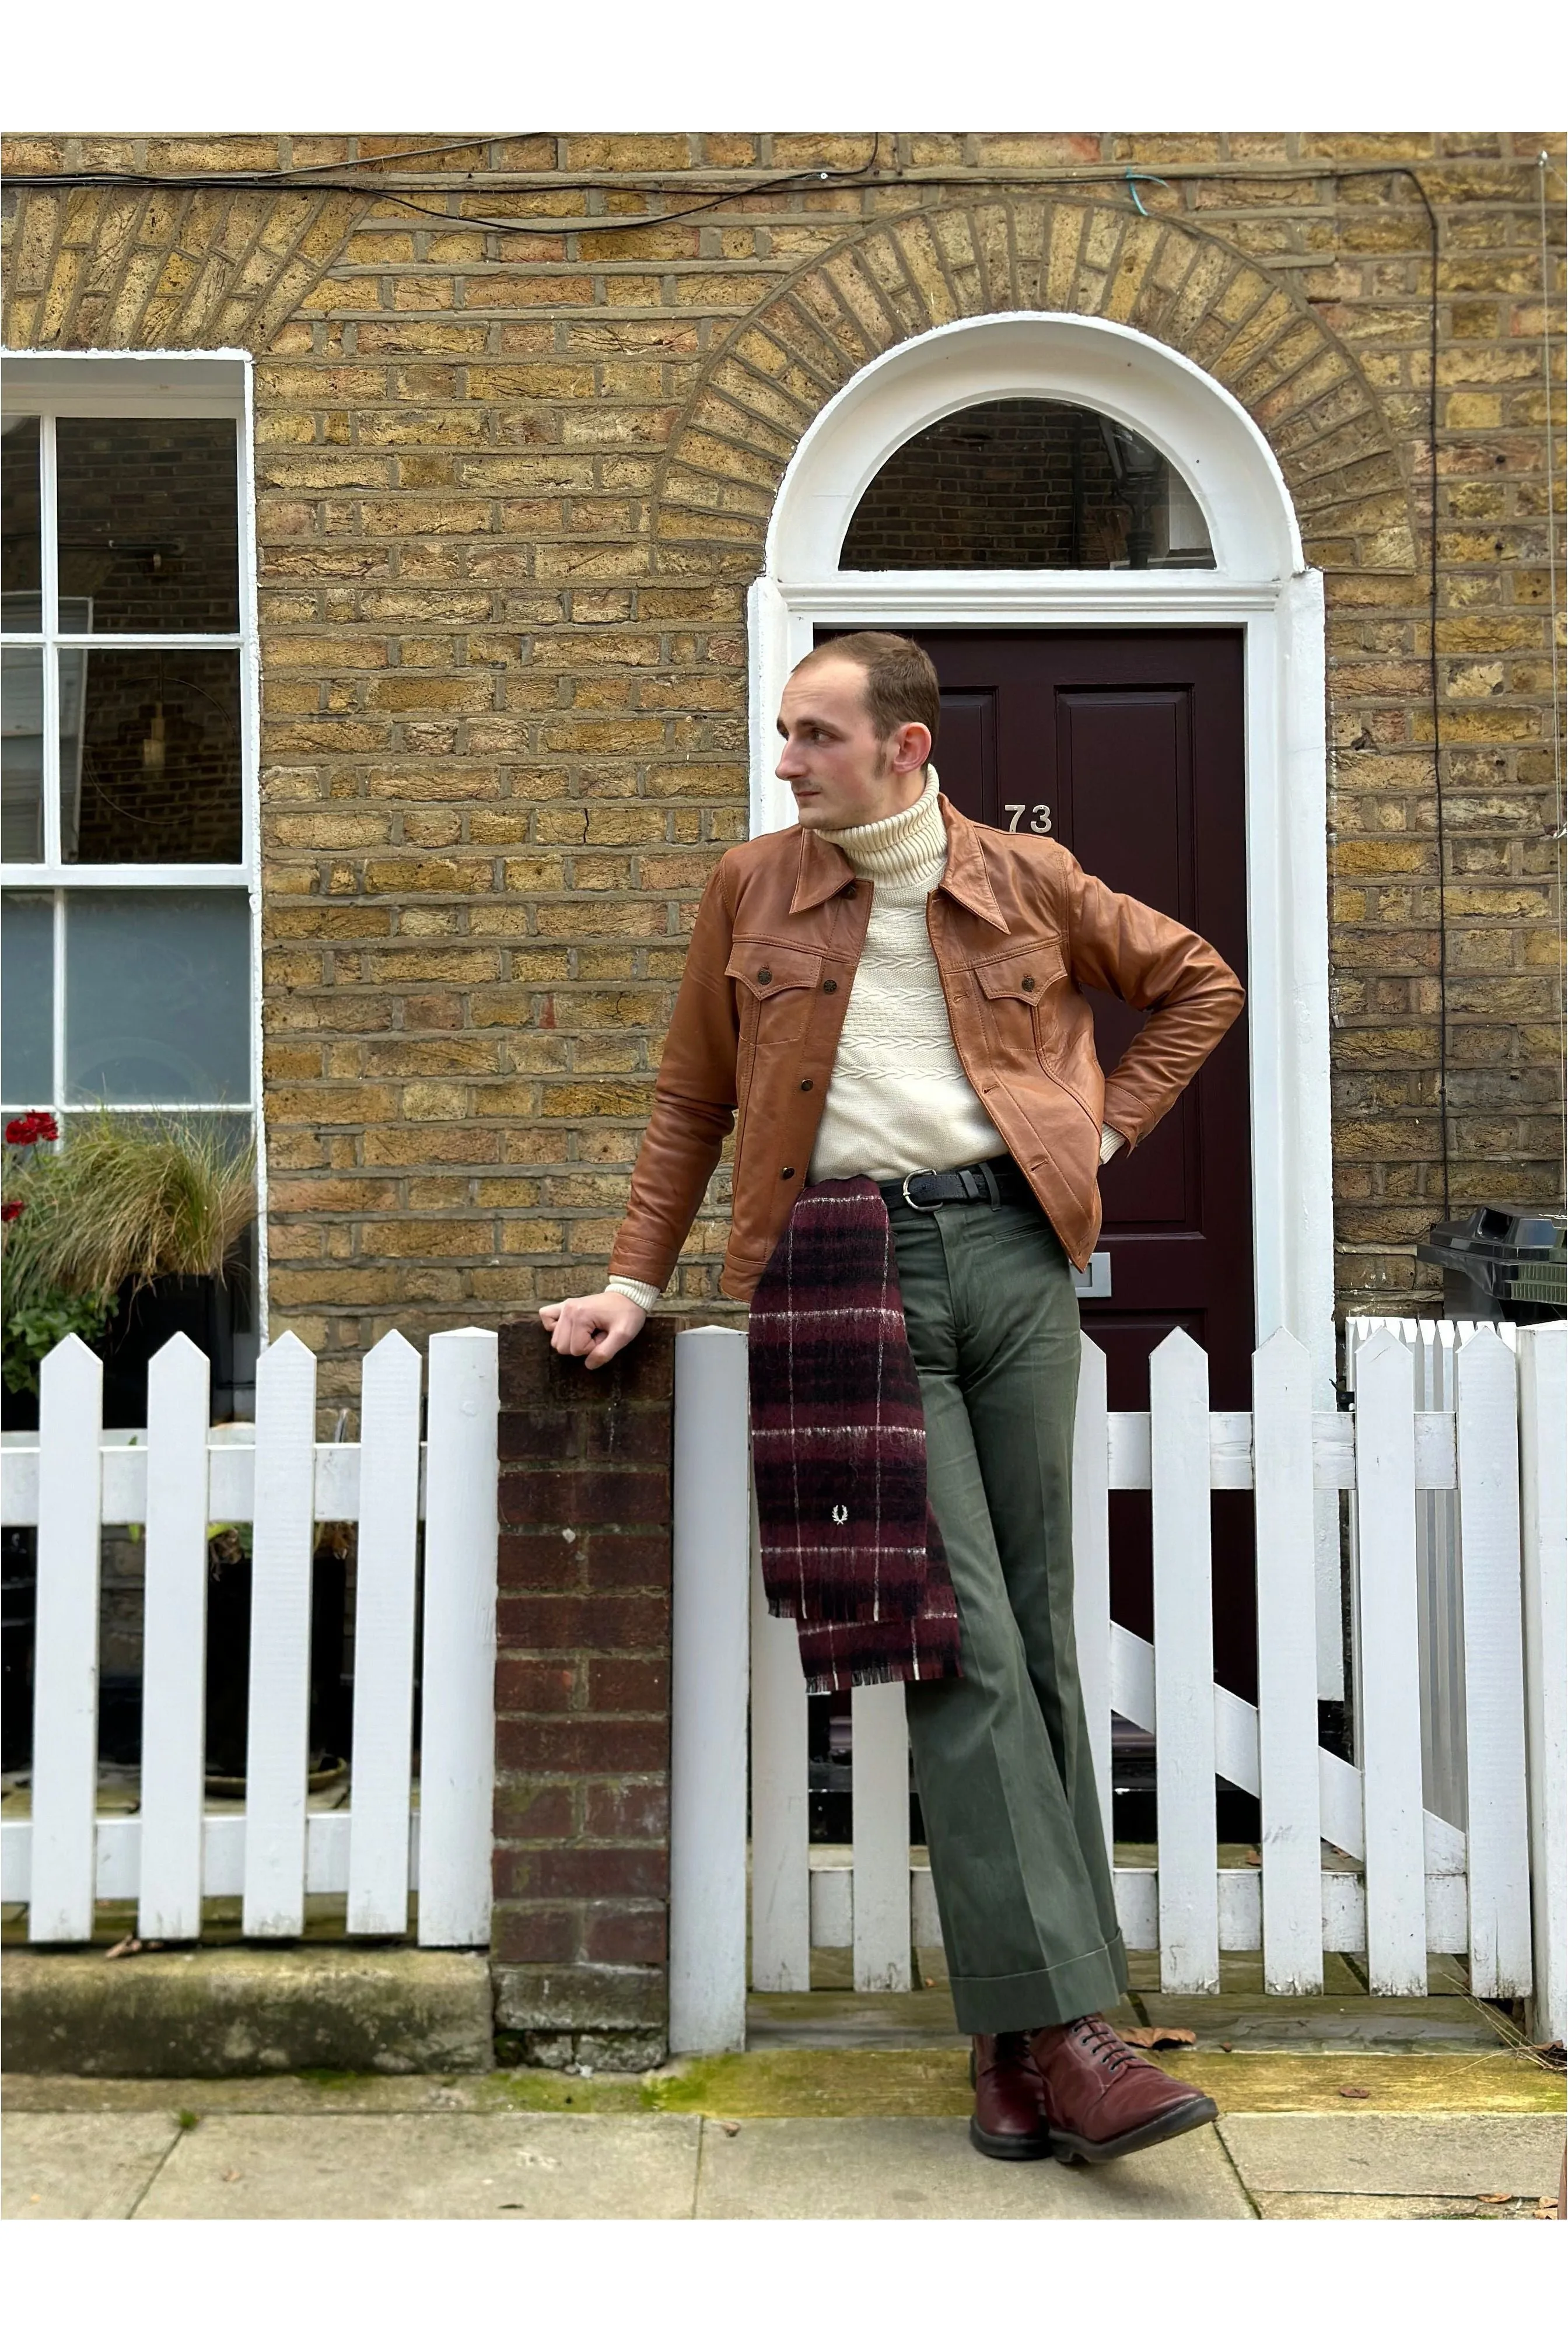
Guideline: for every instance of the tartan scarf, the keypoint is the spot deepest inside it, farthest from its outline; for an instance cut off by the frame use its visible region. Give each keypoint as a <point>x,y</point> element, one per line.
<point>850,1549</point>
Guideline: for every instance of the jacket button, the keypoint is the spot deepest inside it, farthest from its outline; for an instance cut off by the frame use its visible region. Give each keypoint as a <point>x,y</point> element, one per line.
<point>829,987</point>
<point>806,1086</point>
<point>785,1171</point>
<point>1028,979</point>
<point>767,975</point>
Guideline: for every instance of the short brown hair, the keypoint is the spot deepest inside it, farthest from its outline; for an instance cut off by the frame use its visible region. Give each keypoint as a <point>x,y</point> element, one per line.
<point>901,680</point>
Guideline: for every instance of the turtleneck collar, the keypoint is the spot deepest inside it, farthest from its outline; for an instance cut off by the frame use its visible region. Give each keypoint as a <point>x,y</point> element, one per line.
<point>909,847</point>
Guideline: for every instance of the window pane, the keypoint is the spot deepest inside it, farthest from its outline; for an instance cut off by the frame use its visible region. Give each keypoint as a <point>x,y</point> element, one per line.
<point>22,757</point>
<point>1027,484</point>
<point>28,1008</point>
<point>20,575</point>
<point>150,768</point>
<point>157,996</point>
<point>149,521</point>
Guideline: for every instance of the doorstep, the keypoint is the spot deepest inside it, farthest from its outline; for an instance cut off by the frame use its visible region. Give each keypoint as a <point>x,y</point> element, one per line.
<point>208,2010</point>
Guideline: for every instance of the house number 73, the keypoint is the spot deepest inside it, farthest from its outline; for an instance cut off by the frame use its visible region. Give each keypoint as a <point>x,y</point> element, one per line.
<point>1039,815</point>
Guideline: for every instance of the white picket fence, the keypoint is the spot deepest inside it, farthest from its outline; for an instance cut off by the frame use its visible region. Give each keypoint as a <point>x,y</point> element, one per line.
<point>175,1478</point>
<point>1434,1352</point>
<point>1351,1858</point>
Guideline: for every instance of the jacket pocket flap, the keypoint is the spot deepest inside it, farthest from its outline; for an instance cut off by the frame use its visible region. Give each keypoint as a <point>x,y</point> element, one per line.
<point>1027,973</point>
<point>764,969</point>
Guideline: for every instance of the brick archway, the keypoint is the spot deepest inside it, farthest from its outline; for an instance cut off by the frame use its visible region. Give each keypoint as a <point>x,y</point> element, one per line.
<point>146,267</point>
<point>1253,334</point>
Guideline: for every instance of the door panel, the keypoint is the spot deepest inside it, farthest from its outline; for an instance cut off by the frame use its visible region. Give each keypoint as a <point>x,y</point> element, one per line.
<point>1126,747</point>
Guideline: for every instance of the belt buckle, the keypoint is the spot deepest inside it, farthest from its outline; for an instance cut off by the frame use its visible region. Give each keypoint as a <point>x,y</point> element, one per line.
<point>926,1208</point>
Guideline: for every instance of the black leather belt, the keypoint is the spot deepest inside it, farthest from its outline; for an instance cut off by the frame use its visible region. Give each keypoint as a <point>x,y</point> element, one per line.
<point>991,1181</point>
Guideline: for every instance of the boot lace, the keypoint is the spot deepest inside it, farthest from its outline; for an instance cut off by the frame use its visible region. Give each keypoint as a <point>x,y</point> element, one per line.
<point>1103,2045</point>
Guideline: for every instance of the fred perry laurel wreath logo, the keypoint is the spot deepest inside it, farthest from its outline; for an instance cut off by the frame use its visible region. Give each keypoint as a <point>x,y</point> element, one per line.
<point>840,1514</point>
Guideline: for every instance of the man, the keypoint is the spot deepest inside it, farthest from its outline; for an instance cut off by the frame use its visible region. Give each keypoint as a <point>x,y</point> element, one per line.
<point>889,990</point>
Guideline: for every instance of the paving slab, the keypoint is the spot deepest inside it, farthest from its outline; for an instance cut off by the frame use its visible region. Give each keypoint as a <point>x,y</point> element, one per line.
<point>430,2167</point>
<point>1272,2208</point>
<point>81,2167</point>
<point>910,2168</point>
<point>1397,2155</point>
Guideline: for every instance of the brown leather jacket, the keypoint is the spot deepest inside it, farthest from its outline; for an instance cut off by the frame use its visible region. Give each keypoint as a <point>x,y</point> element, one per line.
<point>1018,929</point>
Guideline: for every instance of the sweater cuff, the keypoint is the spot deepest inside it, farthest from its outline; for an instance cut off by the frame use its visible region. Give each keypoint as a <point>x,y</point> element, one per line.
<point>641,1293</point>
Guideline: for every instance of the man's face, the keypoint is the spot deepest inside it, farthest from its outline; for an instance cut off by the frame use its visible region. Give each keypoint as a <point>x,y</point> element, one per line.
<point>839,773</point>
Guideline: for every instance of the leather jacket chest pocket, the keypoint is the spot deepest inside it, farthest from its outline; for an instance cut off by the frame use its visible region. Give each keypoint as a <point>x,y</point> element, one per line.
<point>1025,991</point>
<point>774,990</point>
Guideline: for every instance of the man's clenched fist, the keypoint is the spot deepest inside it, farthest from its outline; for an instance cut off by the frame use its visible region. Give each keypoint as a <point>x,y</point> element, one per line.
<point>595,1328</point>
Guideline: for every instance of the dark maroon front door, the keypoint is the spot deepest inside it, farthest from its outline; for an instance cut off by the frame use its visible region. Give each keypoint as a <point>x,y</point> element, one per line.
<point>1127,746</point>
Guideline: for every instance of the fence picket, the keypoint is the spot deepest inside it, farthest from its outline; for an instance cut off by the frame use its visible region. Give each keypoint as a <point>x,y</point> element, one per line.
<point>781,1828</point>
<point>1498,1829</point>
<point>1544,1411</point>
<point>457,1738</point>
<point>276,1765</point>
<point>1183,1666</point>
<point>1390,1722</point>
<point>708,1627</point>
<point>65,1646</point>
<point>880,1743</point>
<point>1287,1667</point>
<point>174,1643</point>
<point>385,1581</point>
<point>1092,1562</point>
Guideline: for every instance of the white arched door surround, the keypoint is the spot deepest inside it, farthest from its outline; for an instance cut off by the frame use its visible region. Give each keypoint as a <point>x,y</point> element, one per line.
<point>1260,584</point>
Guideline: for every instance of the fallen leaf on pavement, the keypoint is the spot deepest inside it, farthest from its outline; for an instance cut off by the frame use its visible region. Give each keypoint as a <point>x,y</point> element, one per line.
<point>1349,2091</point>
<point>729,2130</point>
<point>1156,2037</point>
<point>1495,2197</point>
<point>231,2176</point>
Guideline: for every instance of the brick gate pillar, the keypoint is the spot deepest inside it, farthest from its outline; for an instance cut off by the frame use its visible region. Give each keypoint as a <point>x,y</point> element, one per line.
<point>582,1807</point>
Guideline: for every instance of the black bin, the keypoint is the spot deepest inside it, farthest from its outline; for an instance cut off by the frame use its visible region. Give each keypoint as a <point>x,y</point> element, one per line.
<point>1500,1265</point>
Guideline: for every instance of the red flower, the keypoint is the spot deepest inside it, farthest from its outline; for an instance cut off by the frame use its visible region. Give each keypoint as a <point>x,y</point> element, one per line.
<point>33,1127</point>
<point>11,1210</point>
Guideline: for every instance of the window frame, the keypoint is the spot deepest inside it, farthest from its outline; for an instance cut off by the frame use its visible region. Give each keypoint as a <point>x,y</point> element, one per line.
<point>221,384</point>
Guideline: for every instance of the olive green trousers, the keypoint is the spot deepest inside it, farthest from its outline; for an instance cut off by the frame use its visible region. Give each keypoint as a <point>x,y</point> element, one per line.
<point>1002,1759</point>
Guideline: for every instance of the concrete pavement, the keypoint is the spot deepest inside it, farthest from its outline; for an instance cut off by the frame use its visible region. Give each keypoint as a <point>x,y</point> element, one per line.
<point>672,2146</point>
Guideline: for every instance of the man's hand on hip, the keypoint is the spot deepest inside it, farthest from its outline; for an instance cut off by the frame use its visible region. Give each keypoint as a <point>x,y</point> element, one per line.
<point>595,1328</point>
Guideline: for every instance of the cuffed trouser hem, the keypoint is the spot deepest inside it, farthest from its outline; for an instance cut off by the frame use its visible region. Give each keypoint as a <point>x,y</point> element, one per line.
<point>1078,1988</point>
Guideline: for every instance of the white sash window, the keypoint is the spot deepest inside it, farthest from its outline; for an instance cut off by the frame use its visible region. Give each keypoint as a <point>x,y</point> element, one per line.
<point>128,810</point>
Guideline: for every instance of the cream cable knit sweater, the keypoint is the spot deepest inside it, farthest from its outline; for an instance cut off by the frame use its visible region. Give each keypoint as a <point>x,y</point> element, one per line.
<point>897,1098</point>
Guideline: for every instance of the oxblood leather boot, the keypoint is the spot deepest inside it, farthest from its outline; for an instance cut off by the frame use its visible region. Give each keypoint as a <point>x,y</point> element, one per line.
<point>1009,2098</point>
<point>1102,2099</point>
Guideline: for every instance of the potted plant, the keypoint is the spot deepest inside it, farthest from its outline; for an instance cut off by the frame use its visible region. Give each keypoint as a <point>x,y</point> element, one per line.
<point>93,1222</point>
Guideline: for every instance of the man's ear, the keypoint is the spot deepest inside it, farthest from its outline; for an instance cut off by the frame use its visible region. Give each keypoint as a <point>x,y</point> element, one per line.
<point>911,747</point>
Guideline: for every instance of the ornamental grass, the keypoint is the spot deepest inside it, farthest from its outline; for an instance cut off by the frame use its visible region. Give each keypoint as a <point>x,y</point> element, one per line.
<point>124,1200</point>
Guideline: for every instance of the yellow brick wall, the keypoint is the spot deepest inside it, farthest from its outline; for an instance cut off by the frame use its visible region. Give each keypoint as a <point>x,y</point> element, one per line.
<point>512,487</point>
